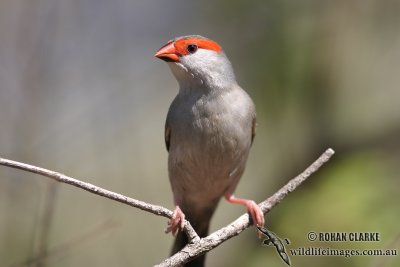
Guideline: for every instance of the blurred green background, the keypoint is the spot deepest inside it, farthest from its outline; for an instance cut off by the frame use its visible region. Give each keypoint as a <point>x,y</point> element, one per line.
<point>81,93</point>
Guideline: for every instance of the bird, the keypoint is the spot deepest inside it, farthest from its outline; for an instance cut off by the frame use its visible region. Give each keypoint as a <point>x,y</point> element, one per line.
<point>209,130</point>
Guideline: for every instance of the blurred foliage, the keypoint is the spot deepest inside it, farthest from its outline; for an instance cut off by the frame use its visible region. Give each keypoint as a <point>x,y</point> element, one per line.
<point>81,93</point>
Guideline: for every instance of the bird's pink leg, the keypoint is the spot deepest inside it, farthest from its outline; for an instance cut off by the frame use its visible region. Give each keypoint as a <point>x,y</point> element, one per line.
<point>255,211</point>
<point>177,221</point>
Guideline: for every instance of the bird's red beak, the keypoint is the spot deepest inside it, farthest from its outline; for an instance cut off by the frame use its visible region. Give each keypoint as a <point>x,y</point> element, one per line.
<point>168,53</point>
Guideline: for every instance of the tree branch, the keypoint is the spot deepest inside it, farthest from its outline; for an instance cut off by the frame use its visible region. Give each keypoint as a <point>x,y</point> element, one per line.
<point>155,209</point>
<point>197,246</point>
<point>194,249</point>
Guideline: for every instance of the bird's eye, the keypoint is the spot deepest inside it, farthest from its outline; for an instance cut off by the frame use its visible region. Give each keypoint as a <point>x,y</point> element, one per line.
<point>192,48</point>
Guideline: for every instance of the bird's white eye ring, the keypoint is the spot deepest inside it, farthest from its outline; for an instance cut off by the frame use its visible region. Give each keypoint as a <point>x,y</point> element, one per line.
<point>191,48</point>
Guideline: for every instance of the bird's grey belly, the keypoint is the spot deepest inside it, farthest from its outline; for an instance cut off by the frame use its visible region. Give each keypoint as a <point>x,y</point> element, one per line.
<point>207,156</point>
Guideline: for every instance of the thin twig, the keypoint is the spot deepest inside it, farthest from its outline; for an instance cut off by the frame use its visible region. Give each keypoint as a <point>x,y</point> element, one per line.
<point>196,246</point>
<point>155,209</point>
<point>195,249</point>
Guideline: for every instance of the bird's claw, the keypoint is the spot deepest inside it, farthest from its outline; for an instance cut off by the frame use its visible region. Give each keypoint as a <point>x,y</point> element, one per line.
<point>255,212</point>
<point>177,221</point>
<point>253,209</point>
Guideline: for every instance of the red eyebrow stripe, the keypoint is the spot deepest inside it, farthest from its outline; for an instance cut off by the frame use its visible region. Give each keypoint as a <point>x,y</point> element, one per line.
<point>182,44</point>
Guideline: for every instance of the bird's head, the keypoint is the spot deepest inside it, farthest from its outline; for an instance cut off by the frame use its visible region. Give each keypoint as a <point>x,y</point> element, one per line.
<point>197,61</point>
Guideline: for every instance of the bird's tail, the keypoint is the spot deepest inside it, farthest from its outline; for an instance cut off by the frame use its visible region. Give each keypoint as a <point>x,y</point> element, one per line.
<point>181,241</point>
<point>200,225</point>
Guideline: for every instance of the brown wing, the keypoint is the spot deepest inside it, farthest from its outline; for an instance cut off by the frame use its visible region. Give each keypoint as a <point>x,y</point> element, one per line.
<point>167,136</point>
<point>253,129</point>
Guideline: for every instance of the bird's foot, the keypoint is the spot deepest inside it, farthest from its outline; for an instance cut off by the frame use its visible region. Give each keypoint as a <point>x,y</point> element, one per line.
<point>255,211</point>
<point>252,208</point>
<point>176,222</point>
